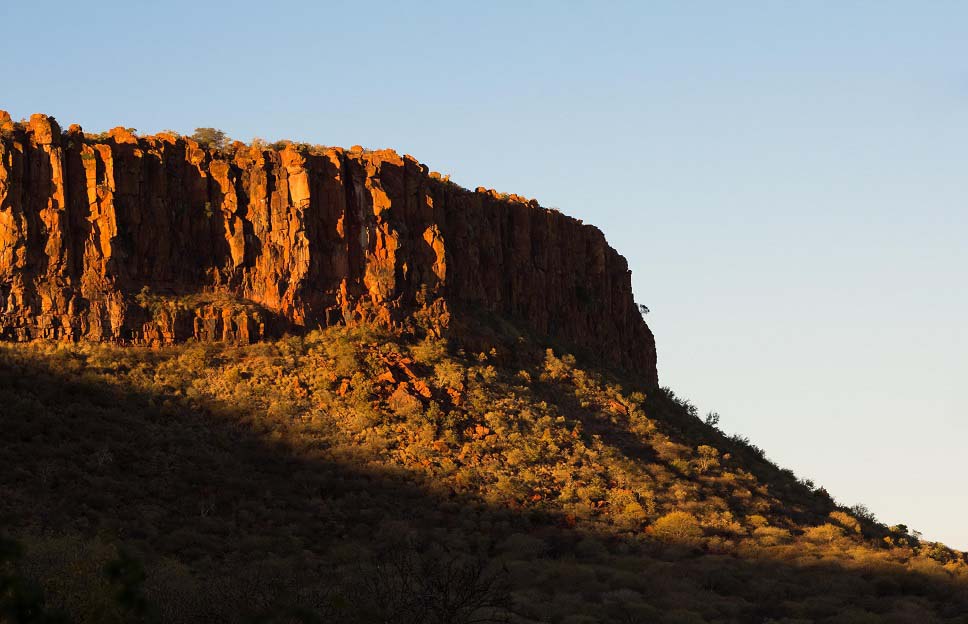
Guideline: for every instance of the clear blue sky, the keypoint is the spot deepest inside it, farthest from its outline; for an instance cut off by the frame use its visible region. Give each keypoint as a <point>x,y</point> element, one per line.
<point>787,180</point>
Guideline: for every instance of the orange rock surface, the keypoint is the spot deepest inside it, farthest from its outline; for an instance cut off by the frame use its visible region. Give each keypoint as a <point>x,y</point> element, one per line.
<point>108,237</point>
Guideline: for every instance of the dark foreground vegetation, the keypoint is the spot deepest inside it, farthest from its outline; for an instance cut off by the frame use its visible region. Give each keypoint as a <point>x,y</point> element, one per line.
<point>355,475</point>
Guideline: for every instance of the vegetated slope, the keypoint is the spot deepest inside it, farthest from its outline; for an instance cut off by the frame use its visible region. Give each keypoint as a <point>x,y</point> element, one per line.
<point>367,475</point>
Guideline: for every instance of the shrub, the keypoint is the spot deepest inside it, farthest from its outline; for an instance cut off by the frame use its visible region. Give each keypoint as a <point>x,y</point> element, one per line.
<point>824,534</point>
<point>429,351</point>
<point>678,527</point>
<point>940,553</point>
<point>863,513</point>
<point>449,374</point>
<point>845,520</point>
<point>708,458</point>
<point>558,369</point>
<point>771,536</point>
<point>408,585</point>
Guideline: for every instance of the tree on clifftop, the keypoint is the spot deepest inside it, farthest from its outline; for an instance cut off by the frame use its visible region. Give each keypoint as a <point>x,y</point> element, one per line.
<point>210,137</point>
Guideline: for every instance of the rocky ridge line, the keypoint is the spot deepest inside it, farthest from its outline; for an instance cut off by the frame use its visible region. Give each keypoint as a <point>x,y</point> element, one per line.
<point>155,240</point>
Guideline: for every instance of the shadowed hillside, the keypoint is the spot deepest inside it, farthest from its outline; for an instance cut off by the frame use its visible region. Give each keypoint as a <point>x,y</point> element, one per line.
<point>349,471</point>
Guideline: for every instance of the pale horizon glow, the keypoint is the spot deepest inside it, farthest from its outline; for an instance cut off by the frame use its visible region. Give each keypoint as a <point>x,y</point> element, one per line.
<point>786,180</point>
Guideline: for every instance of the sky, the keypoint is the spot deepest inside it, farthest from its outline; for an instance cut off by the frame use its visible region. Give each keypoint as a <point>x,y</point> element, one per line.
<point>786,179</point>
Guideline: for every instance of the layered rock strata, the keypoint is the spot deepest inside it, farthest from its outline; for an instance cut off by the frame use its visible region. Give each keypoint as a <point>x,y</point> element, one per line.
<point>155,240</point>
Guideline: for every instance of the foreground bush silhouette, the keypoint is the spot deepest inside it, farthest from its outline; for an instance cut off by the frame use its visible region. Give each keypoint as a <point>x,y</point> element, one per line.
<point>21,601</point>
<point>407,587</point>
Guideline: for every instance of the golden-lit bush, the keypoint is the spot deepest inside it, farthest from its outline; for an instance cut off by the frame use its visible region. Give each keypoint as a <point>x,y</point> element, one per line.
<point>679,527</point>
<point>771,536</point>
<point>708,458</point>
<point>824,534</point>
<point>847,521</point>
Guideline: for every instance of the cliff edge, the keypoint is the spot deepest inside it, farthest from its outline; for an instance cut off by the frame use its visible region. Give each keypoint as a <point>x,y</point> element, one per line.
<point>155,240</point>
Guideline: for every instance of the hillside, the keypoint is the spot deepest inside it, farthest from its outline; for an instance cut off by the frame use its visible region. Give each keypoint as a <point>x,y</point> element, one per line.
<point>477,436</point>
<point>265,474</point>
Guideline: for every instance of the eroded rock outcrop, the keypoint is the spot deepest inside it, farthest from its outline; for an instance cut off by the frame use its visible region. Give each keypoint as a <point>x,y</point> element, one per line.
<point>155,239</point>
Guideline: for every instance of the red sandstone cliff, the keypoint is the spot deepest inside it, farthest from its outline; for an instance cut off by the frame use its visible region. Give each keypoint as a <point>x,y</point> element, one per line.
<point>153,240</point>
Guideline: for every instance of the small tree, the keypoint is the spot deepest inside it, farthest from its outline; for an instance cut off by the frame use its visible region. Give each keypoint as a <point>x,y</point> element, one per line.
<point>679,527</point>
<point>846,520</point>
<point>211,138</point>
<point>863,513</point>
<point>824,534</point>
<point>407,585</point>
<point>708,458</point>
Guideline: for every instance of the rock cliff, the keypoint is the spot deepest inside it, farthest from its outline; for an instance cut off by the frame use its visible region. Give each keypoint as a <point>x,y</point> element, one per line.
<point>155,239</point>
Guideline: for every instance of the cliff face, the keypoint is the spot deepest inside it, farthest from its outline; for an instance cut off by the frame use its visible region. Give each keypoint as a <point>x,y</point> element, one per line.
<point>154,240</point>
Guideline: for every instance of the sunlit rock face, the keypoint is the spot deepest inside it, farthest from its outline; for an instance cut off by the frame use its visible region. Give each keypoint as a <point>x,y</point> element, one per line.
<point>155,240</point>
